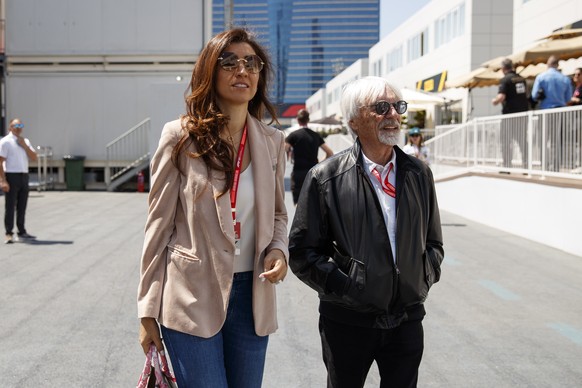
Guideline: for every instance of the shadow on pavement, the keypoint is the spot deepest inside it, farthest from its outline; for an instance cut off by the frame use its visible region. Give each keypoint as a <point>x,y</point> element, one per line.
<point>46,242</point>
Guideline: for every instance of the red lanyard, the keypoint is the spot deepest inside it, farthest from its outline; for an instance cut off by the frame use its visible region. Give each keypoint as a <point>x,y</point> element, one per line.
<point>386,185</point>
<point>237,171</point>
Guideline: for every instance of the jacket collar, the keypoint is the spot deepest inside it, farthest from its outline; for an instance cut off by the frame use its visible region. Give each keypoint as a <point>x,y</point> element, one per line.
<point>403,162</point>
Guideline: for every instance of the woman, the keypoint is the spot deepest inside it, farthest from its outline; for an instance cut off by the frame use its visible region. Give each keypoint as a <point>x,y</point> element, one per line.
<point>208,274</point>
<point>416,147</point>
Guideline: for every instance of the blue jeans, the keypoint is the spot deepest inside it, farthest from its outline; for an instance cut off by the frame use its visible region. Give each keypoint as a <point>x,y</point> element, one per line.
<point>233,358</point>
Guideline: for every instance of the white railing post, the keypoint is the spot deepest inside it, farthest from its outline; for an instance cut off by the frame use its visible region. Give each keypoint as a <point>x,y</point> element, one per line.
<point>529,135</point>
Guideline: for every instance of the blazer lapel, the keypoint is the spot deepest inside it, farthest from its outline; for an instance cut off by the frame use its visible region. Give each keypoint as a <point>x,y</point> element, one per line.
<point>263,166</point>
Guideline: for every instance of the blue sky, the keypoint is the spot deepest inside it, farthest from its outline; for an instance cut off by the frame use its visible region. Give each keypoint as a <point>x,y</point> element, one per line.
<point>394,12</point>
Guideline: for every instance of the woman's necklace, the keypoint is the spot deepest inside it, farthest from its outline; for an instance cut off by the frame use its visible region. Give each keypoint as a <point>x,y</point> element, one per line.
<point>230,137</point>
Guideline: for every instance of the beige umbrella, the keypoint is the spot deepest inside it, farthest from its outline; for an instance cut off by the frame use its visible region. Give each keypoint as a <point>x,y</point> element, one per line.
<point>565,33</point>
<point>539,53</point>
<point>565,47</point>
<point>421,98</point>
<point>478,78</point>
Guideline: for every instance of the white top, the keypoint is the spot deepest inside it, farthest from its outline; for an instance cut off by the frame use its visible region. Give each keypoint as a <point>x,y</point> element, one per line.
<point>15,155</point>
<point>422,153</point>
<point>245,214</point>
<point>387,202</point>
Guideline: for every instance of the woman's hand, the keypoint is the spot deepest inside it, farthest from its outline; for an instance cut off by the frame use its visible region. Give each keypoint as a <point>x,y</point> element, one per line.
<point>275,266</point>
<point>149,332</point>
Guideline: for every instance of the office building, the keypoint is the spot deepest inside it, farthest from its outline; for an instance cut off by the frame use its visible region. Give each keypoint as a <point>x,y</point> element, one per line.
<point>310,41</point>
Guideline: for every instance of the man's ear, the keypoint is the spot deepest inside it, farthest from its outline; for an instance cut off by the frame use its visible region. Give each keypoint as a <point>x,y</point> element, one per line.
<point>354,128</point>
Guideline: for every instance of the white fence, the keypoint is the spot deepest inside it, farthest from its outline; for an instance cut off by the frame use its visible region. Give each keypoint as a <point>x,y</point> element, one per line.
<point>538,142</point>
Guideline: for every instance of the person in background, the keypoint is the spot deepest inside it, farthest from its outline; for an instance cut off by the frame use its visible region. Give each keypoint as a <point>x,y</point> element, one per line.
<point>367,237</point>
<point>513,97</point>
<point>304,145</point>
<point>15,151</point>
<point>556,89</point>
<point>415,146</point>
<point>553,90</point>
<point>576,98</point>
<point>216,234</point>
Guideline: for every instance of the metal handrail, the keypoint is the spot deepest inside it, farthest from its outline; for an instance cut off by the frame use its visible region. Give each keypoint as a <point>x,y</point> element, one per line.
<point>538,142</point>
<point>127,150</point>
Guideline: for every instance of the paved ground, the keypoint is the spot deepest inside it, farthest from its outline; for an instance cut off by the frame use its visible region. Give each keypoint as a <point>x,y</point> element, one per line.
<point>507,312</point>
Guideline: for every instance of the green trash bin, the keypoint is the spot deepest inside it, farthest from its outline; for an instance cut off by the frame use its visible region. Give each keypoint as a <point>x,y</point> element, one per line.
<point>74,168</point>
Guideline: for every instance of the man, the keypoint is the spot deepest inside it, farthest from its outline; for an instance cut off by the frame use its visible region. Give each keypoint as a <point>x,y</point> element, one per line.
<point>15,151</point>
<point>304,144</point>
<point>513,97</point>
<point>576,98</point>
<point>367,237</point>
<point>553,90</point>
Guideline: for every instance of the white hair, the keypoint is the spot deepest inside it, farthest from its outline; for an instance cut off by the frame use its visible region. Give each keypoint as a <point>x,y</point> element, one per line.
<point>363,91</point>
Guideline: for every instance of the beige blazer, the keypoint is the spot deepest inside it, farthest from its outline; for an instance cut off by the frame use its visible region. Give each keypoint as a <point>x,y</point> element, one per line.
<point>188,252</point>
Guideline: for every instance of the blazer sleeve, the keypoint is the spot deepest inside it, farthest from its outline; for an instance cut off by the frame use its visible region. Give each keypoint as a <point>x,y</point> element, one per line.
<point>162,200</point>
<point>280,238</point>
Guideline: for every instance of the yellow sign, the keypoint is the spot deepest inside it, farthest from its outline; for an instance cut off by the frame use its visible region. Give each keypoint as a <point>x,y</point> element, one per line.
<point>436,83</point>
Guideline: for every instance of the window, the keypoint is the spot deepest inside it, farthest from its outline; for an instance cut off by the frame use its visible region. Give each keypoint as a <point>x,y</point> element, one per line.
<point>394,59</point>
<point>449,26</point>
<point>417,46</point>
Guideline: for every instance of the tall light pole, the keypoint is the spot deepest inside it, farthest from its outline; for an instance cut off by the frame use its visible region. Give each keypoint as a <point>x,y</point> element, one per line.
<point>228,9</point>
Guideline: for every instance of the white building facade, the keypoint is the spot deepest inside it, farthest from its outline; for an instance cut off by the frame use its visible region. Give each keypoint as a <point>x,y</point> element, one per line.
<point>449,38</point>
<point>82,72</point>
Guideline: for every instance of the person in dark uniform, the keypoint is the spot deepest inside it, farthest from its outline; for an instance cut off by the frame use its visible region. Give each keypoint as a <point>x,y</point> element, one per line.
<point>304,145</point>
<point>513,97</point>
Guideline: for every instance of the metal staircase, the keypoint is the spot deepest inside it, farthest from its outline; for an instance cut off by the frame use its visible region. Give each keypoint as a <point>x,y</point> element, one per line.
<point>127,155</point>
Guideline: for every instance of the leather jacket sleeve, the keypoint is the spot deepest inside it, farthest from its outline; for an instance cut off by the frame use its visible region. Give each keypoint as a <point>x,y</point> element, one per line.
<point>310,247</point>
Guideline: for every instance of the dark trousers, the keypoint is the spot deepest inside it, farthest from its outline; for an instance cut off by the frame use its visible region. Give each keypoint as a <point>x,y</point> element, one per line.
<point>297,179</point>
<point>512,131</point>
<point>16,199</point>
<point>348,353</point>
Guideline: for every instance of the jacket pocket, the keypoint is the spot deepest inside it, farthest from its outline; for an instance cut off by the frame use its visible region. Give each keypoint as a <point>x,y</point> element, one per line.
<point>357,274</point>
<point>429,274</point>
<point>177,252</point>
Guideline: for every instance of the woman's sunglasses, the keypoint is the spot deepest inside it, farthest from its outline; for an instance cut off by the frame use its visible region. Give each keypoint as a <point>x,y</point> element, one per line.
<point>383,107</point>
<point>18,125</point>
<point>230,62</point>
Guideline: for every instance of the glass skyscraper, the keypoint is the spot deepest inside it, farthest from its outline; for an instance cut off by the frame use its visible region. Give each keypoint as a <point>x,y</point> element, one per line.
<point>310,41</point>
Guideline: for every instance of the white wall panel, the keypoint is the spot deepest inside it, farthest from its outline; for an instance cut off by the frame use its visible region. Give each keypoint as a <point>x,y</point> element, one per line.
<point>86,26</point>
<point>20,26</point>
<point>64,27</point>
<point>119,26</point>
<point>52,26</point>
<point>150,31</point>
<point>80,114</point>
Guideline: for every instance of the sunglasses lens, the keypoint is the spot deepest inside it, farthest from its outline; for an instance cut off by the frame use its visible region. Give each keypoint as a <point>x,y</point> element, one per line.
<point>229,63</point>
<point>400,107</point>
<point>253,64</point>
<point>382,107</point>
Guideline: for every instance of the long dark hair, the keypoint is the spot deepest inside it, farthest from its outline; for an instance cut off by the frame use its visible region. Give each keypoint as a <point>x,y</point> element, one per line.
<point>204,121</point>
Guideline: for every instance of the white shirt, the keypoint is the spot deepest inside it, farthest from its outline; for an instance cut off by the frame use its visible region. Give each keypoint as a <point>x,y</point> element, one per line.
<point>15,155</point>
<point>387,203</point>
<point>245,214</point>
<point>422,153</point>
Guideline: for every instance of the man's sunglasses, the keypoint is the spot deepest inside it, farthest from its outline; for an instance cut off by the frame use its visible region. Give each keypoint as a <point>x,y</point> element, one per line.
<point>230,62</point>
<point>383,107</point>
<point>18,125</point>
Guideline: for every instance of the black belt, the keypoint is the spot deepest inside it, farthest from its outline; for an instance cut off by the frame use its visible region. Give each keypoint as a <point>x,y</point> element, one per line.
<point>16,173</point>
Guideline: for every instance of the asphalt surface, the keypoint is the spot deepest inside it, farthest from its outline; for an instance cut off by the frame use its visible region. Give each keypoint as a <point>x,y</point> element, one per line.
<point>506,313</point>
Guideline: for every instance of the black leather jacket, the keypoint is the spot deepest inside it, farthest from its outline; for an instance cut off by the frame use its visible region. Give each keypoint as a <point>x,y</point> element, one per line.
<point>339,244</point>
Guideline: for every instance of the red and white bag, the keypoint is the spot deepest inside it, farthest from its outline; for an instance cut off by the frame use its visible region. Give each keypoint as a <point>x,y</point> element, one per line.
<point>156,373</point>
